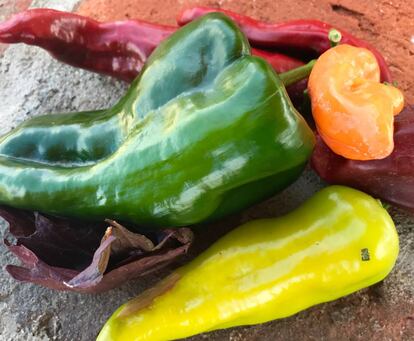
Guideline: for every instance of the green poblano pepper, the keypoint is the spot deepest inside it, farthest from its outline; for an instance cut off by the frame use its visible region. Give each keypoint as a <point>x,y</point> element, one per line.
<point>204,131</point>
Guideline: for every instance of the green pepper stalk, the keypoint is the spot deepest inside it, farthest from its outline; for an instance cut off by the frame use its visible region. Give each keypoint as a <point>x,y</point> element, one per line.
<point>334,37</point>
<point>204,131</point>
<point>295,75</point>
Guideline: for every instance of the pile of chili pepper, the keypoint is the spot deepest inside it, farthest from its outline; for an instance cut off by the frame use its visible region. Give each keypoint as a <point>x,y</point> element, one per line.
<point>120,49</point>
<point>223,131</point>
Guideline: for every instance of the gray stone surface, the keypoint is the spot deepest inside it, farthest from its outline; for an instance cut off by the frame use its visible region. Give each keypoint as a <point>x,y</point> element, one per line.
<point>31,83</point>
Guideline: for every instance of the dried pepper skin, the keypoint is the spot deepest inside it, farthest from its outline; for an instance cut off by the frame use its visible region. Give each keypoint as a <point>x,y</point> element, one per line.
<point>341,240</point>
<point>297,35</point>
<point>205,130</point>
<point>353,111</point>
<point>118,49</point>
<point>390,179</point>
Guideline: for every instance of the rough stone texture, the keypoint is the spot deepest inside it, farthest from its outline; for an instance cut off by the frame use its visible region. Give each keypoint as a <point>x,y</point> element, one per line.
<point>31,83</point>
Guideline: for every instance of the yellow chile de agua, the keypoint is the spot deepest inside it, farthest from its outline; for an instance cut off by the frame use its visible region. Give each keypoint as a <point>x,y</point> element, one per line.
<point>339,241</point>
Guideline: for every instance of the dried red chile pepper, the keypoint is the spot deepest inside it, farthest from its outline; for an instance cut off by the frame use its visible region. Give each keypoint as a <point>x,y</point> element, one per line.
<point>279,61</point>
<point>297,35</point>
<point>390,179</point>
<point>118,49</point>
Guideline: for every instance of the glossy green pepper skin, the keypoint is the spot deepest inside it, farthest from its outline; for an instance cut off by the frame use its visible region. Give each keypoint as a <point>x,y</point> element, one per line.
<point>204,131</point>
<point>339,241</point>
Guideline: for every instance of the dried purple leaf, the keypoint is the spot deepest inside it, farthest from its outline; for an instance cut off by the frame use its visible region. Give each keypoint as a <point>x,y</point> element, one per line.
<point>128,240</point>
<point>36,271</point>
<point>73,256</point>
<point>93,274</point>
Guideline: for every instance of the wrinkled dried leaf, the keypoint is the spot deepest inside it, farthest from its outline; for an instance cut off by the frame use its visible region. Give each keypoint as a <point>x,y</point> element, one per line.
<point>127,240</point>
<point>77,256</point>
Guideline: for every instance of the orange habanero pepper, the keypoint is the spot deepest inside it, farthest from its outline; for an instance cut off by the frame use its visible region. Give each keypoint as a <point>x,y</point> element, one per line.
<point>353,111</point>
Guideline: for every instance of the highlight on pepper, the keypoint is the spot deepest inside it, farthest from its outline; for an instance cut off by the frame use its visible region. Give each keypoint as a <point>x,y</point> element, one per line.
<point>353,111</point>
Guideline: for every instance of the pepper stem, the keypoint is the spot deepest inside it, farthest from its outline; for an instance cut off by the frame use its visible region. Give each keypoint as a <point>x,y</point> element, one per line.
<point>385,205</point>
<point>334,36</point>
<point>295,75</point>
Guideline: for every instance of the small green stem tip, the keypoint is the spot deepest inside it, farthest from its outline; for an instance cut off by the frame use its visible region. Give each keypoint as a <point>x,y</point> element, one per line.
<point>387,206</point>
<point>334,37</point>
<point>394,83</point>
<point>295,75</point>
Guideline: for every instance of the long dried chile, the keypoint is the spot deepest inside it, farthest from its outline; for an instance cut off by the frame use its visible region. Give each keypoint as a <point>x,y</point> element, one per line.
<point>118,49</point>
<point>279,61</point>
<point>298,35</point>
<point>390,179</point>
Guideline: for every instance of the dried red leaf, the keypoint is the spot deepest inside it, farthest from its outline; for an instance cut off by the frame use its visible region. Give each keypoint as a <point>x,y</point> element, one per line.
<point>78,256</point>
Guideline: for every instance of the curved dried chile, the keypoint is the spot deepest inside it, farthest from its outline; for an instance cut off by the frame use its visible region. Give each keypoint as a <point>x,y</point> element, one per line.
<point>118,49</point>
<point>301,35</point>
